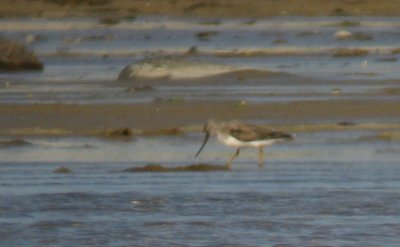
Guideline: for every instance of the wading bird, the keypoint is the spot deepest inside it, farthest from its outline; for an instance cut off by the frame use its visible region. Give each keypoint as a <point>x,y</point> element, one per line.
<point>235,134</point>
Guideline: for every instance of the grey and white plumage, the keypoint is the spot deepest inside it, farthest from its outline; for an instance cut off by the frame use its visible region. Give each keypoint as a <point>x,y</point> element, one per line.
<point>236,134</point>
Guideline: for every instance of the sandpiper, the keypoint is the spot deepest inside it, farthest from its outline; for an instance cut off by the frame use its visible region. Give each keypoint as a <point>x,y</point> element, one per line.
<point>236,134</point>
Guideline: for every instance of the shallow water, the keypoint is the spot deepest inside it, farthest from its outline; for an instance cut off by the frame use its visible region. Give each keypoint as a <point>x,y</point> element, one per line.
<point>324,189</point>
<point>88,56</point>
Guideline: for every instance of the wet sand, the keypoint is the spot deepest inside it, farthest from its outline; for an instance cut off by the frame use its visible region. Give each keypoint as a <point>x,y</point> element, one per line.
<point>65,119</point>
<point>210,8</point>
<point>77,119</point>
<point>172,115</point>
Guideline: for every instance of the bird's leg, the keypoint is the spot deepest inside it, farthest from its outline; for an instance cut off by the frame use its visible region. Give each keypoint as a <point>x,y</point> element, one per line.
<point>229,164</point>
<point>261,157</point>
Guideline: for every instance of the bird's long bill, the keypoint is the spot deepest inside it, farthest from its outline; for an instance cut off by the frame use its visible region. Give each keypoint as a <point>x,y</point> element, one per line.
<point>204,143</point>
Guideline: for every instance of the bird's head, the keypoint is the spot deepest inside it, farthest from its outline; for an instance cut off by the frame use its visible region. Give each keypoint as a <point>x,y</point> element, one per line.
<point>209,129</point>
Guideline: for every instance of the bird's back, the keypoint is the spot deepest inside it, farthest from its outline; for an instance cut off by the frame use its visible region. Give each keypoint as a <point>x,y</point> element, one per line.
<point>248,133</point>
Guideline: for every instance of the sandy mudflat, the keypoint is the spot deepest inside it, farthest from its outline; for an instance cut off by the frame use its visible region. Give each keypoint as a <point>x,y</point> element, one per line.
<point>91,118</point>
<point>206,8</point>
<point>61,119</point>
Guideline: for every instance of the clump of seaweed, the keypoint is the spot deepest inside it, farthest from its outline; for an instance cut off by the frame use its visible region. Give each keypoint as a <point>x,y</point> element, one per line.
<point>109,21</point>
<point>14,143</point>
<point>62,170</point>
<point>120,133</point>
<point>361,36</point>
<point>139,88</point>
<point>339,12</point>
<point>346,123</point>
<point>347,52</point>
<point>349,24</point>
<point>192,51</point>
<point>163,132</point>
<point>389,136</point>
<point>147,168</point>
<point>188,168</point>
<point>396,51</point>
<point>205,35</point>
<point>200,5</point>
<point>387,59</point>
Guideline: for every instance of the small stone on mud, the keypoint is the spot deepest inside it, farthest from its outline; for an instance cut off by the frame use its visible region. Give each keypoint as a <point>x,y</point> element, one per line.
<point>336,91</point>
<point>343,35</point>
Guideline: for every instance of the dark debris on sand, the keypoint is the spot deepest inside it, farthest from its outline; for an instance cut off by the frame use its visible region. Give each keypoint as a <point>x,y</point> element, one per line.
<point>14,143</point>
<point>125,133</point>
<point>163,132</point>
<point>188,168</point>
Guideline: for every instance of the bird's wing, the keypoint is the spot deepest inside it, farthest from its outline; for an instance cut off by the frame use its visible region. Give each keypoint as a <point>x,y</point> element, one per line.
<point>247,133</point>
